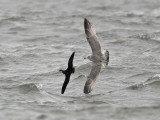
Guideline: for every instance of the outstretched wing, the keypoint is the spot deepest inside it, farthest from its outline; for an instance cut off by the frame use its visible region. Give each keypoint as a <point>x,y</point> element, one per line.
<point>70,62</point>
<point>65,83</point>
<point>92,37</point>
<point>92,77</point>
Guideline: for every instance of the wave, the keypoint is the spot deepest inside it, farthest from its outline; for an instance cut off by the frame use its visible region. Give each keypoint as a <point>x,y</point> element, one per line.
<point>17,28</point>
<point>79,77</point>
<point>152,81</point>
<point>33,92</point>
<point>11,19</point>
<point>154,37</point>
<point>32,87</point>
<point>135,14</point>
<point>135,108</point>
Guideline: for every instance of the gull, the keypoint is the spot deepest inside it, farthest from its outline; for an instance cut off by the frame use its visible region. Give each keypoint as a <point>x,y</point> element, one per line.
<point>68,72</point>
<point>98,58</point>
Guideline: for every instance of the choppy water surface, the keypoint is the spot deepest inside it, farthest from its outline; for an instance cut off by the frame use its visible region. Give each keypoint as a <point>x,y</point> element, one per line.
<point>36,39</point>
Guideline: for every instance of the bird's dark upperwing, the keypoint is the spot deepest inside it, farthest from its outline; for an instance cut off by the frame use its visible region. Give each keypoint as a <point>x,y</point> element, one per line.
<point>70,62</point>
<point>67,77</point>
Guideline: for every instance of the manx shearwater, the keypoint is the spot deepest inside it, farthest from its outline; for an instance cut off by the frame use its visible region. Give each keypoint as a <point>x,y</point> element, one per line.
<point>68,72</point>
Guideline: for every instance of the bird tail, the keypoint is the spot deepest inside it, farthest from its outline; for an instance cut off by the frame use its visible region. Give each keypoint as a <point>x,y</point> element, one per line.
<point>106,56</point>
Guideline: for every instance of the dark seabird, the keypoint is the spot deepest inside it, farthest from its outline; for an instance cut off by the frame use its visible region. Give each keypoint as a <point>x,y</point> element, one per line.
<point>98,58</point>
<point>68,72</point>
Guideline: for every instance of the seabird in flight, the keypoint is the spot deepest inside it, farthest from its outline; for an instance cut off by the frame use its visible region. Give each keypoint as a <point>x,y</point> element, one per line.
<point>68,72</point>
<point>98,58</point>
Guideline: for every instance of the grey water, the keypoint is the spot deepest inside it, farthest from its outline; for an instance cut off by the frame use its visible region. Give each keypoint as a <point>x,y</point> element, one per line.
<point>37,38</point>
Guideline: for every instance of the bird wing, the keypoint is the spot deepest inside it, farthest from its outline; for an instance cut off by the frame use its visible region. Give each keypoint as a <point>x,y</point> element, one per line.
<point>96,67</point>
<point>92,37</point>
<point>70,62</point>
<point>67,77</point>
